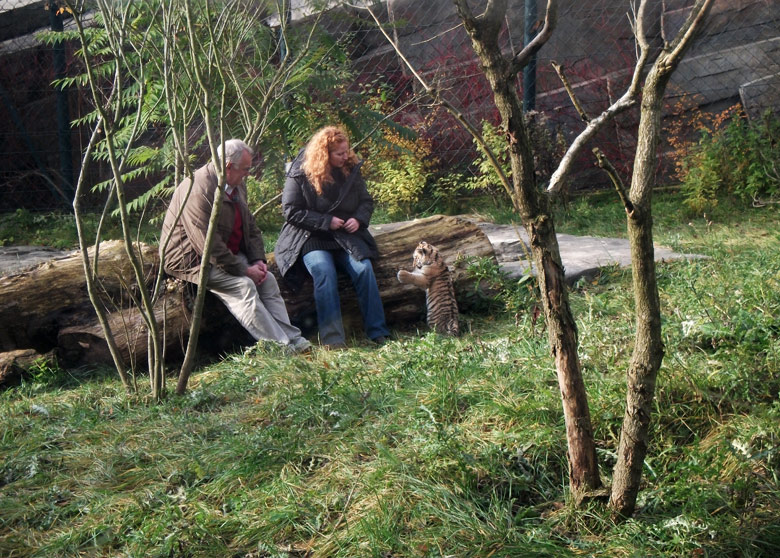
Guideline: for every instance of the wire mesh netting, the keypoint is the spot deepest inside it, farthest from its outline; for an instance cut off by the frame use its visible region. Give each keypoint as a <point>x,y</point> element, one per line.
<point>736,61</point>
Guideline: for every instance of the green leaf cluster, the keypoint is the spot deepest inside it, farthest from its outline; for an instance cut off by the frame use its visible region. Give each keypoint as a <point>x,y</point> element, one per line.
<point>547,143</point>
<point>275,120</point>
<point>742,160</point>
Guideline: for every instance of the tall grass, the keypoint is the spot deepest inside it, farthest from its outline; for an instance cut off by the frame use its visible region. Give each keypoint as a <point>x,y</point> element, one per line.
<point>428,446</point>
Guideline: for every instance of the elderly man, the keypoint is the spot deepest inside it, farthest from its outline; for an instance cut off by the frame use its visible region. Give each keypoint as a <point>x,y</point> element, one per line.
<point>238,274</point>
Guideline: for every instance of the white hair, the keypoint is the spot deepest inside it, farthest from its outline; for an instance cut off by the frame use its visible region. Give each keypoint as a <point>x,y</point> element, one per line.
<point>234,149</point>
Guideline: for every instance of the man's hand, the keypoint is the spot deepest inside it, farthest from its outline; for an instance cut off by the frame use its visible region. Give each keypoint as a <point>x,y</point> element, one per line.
<point>336,223</point>
<point>351,225</point>
<point>257,272</point>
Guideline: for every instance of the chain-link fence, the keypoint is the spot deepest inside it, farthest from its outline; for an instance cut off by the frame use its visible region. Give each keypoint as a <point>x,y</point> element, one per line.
<point>38,150</point>
<point>735,61</point>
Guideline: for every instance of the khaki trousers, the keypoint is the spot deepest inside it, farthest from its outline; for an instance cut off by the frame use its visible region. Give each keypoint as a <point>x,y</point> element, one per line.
<point>259,308</point>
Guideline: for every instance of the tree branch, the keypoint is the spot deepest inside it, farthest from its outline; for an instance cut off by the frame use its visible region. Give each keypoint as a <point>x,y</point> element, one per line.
<point>689,30</point>
<point>567,86</point>
<point>492,18</point>
<point>626,101</point>
<point>523,57</point>
<point>611,171</point>
<point>465,13</point>
<point>454,111</point>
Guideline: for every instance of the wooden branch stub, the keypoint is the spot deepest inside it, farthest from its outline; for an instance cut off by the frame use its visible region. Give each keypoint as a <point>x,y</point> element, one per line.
<point>612,172</point>
<point>570,91</point>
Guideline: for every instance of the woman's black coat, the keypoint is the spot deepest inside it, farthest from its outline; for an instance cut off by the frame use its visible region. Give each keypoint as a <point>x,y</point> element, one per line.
<point>306,212</point>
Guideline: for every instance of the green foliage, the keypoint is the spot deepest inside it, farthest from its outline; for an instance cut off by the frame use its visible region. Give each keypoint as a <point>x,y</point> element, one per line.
<point>141,101</point>
<point>43,371</point>
<point>24,227</point>
<point>398,170</point>
<point>547,144</point>
<point>494,291</point>
<point>315,94</point>
<point>58,230</point>
<point>486,179</point>
<point>314,91</point>
<point>480,186</point>
<point>741,159</point>
<point>596,214</point>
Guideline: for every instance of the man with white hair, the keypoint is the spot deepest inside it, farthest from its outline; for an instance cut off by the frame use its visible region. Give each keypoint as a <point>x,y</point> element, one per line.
<point>238,274</point>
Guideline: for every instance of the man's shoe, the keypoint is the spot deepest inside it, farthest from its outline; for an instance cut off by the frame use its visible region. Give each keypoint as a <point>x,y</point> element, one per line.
<point>381,340</point>
<point>299,346</point>
<point>334,346</point>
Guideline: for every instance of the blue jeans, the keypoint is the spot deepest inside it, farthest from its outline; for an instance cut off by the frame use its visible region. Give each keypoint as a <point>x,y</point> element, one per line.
<point>323,265</point>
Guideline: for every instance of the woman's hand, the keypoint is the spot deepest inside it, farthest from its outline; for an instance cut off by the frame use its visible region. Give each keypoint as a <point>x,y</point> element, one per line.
<point>351,225</point>
<point>336,223</point>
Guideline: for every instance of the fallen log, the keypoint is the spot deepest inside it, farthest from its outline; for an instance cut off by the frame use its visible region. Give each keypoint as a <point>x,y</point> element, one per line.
<point>50,303</point>
<point>86,343</point>
<point>37,303</point>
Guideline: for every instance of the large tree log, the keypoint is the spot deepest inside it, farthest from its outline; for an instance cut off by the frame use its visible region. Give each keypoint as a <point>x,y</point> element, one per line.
<point>50,302</point>
<point>36,304</point>
<point>87,343</point>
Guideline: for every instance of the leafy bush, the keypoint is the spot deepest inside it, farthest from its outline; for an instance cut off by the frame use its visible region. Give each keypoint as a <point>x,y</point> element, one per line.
<point>496,292</point>
<point>45,229</point>
<point>547,144</point>
<point>58,229</point>
<point>398,168</point>
<point>741,159</point>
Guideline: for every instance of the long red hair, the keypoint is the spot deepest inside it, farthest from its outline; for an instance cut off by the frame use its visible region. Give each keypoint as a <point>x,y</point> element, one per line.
<point>316,163</point>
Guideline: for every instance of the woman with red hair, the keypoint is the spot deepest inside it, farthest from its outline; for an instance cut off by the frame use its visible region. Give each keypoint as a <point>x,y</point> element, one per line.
<point>327,210</point>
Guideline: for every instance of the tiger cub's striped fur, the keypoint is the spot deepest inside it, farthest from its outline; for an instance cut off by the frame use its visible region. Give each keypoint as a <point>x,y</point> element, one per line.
<point>432,274</point>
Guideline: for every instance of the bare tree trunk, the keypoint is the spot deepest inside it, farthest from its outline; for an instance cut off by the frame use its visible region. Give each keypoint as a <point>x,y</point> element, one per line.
<point>110,110</point>
<point>534,210</point>
<point>648,348</point>
<point>583,464</point>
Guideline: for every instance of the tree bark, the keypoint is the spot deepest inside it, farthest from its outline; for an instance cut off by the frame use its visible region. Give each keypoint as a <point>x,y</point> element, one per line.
<point>534,210</point>
<point>82,344</point>
<point>648,349</point>
<point>37,303</point>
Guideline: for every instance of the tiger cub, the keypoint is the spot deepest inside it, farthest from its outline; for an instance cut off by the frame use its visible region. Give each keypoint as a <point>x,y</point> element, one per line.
<point>432,274</point>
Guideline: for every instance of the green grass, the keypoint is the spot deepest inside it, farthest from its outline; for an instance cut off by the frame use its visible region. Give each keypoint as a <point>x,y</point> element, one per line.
<point>58,229</point>
<point>429,446</point>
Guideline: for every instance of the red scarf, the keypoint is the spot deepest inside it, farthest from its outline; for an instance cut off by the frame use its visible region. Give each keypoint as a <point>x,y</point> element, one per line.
<point>238,233</point>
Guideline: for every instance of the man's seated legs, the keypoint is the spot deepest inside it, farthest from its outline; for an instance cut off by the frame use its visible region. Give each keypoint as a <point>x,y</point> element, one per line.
<point>260,309</point>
